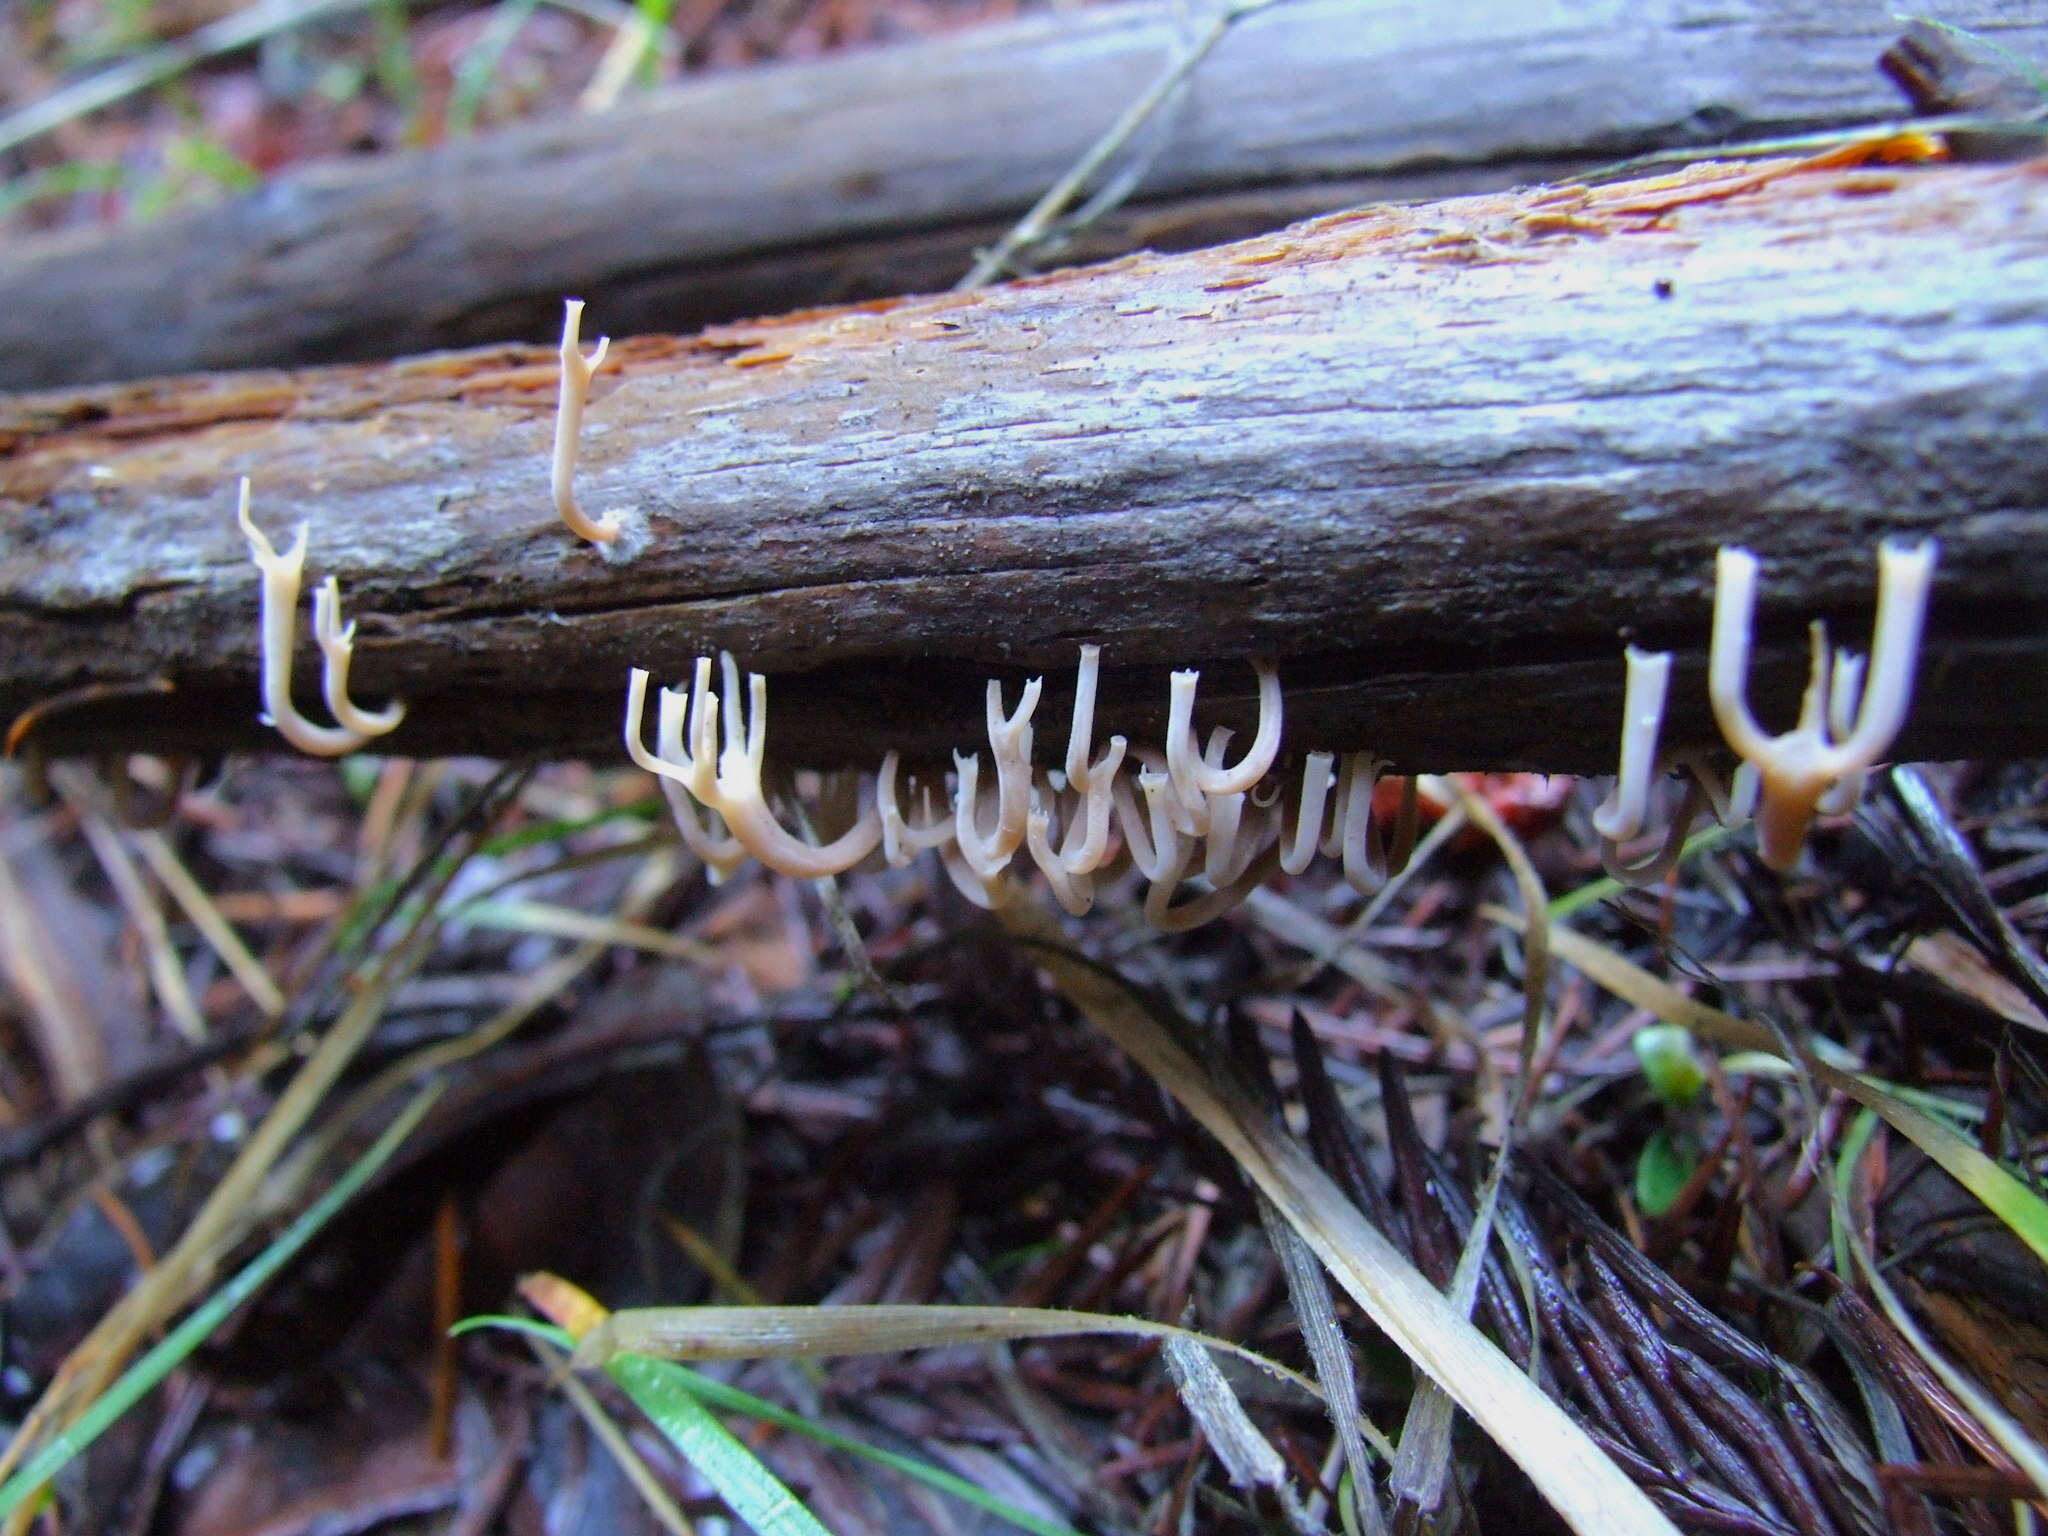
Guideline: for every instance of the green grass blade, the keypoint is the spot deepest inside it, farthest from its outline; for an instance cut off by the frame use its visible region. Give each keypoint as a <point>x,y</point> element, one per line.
<point>1571,903</point>
<point>658,15</point>
<point>478,65</point>
<point>749,1489</point>
<point>869,1328</point>
<point>2001,1193</point>
<point>141,1377</point>
<point>559,1337</point>
<point>733,1400</point>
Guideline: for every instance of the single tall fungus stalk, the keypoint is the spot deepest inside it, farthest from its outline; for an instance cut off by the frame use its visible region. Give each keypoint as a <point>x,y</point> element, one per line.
<point>574,392</point>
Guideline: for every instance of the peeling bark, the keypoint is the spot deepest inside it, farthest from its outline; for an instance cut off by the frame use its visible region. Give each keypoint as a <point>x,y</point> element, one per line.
<point>1440,460</point>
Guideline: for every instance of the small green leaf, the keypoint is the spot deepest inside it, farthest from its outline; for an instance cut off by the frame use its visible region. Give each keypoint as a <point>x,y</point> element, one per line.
<point>1661,1172</point>
<point>1665,1050</point>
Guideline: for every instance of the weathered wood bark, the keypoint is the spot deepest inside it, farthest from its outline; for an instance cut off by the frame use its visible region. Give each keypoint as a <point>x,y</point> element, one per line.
<point>1439,460</point>
<point>878,173</point>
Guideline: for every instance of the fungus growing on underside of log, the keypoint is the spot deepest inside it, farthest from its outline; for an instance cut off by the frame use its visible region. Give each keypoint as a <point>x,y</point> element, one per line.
<point>1203,834</point>
<point>283,574</point>
<point>1839,736</point>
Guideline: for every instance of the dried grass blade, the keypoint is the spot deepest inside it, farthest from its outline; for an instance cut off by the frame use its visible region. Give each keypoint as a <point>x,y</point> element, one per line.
<point>2012,1438</point>
<point>564,923</point>
<point>1308,1287</point>
<point>1420,1470</point>
<point>147,1372</point>
<point>1581,1482</point>
<point>759,1333</point>
<point>160,955</point>
<point>1309,1290</point>
<point>225,1216</point>
<point>1245,1453</point>
<point>615,1440</point>
<point>577,1312</point>
<point>655,876</point>
<point>200,910</point>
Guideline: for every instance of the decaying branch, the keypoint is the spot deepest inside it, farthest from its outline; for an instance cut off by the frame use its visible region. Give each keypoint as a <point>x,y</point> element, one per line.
<point>1438,461</point>
<point>879,173</point>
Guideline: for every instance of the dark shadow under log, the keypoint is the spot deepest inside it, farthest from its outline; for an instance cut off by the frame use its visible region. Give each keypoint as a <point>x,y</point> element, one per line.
<point>1439,460</point>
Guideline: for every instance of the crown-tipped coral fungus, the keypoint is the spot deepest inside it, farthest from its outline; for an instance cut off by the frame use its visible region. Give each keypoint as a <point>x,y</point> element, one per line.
<point>1828,747</point>
<point>283,574</point>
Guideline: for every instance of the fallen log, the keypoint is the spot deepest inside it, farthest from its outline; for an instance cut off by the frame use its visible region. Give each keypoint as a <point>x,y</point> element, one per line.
<point>879,173</point>
<point>1439,460</point>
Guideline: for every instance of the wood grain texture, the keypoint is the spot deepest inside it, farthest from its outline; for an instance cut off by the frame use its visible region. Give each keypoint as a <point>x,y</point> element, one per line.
<point>1440,460</point>
<point>877,173</point>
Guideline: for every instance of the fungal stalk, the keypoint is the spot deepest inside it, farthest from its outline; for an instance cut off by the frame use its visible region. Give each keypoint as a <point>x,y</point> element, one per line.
<point>722,855</point>
<point>1826,747</point>
<point>1228,849</point>
<point>283,575</point>
<point>1151,838</point>
<point>337,642</point>
<point>577,371</point>
<point>684,777</point>
<point>1009,739</point>
<point>1086,845</point>
<point>1845,690</point>
<point>740,799</point>
<point>902,840</point>
<point>1365,856</point>
<point>1188,815</point>
<point>1209,905</point>
<point>1318,772</point>
<point>1074,893</point>
<point>1732,801</point>
<point>1085,848</point>
<point>695,774</point>
<point>1079,773</point>
<point>1620,816</point>
<point>1219,852</point>
<point>1193,777</point>
<point>1662,859</point>
<point>969,843</point>
<point>989,894</point>
<point>698,757</point>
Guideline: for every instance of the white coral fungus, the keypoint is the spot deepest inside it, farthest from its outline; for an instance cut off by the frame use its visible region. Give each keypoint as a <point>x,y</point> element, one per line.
<point>283,574</point>
<point>1838,737</point>
<point>1203,832</point>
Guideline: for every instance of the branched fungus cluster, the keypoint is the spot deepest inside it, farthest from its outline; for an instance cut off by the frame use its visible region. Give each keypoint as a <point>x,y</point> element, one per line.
<point>1185,813</point>
<point>283,575</point>
<point>1847,721</point>
<point>1201,830</point>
